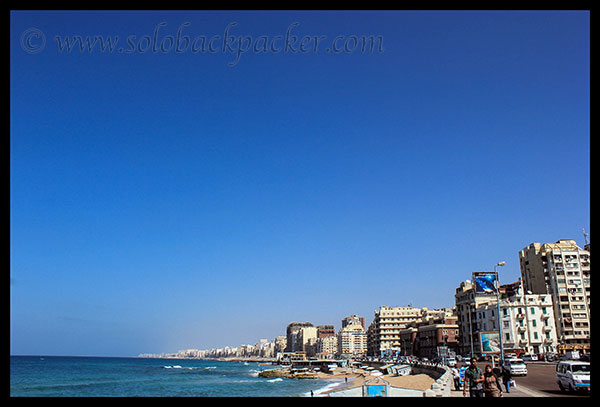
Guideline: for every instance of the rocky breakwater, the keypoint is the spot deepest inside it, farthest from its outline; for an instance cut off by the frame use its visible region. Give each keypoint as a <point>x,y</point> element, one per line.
<point>288,373</point>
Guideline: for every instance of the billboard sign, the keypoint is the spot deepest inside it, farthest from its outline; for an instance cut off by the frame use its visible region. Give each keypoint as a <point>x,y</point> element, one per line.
<point>485,282</point>
<point>490,342</point>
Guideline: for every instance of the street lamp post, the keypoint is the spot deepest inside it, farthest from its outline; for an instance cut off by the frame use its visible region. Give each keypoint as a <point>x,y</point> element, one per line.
<point>502,263</point>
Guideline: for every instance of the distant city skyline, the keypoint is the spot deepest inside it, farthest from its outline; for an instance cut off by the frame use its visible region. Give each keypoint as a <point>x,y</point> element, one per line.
<point>164,201</point>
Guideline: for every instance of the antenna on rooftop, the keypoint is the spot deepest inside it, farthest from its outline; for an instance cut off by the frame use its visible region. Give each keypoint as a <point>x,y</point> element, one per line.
<point>585,236</point>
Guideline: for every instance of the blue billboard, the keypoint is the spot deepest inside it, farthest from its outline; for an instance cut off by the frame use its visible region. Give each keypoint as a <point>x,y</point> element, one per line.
<point>485,282</point>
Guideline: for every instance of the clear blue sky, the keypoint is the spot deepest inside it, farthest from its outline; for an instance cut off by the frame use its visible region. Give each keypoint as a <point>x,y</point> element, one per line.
<point>162,201</point>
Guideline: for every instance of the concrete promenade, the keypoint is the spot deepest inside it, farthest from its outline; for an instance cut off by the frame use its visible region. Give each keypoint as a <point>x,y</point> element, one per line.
<point>519,391</point>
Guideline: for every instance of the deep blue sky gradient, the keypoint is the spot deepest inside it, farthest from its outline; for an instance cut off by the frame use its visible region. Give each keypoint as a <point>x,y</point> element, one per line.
<point>170,201</point>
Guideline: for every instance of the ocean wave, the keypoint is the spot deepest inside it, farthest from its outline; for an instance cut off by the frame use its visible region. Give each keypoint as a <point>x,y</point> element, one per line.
<point>279,379</point>
<point>327,388</point>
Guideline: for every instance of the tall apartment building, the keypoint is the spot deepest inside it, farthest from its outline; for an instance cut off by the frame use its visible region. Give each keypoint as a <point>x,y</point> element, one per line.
<point>306,340</point>
<point>383,334</point>
<point>562,270</point>
<point>352,340</point>
<point>353,319</point>
<point>324,331</point>
<point>292,331</point>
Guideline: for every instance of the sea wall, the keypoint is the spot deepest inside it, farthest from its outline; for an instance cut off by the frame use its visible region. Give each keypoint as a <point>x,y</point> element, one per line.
<point>442,386</point>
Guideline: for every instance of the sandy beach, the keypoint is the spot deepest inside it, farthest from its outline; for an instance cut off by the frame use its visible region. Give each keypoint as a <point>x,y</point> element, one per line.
<point>357,377</point>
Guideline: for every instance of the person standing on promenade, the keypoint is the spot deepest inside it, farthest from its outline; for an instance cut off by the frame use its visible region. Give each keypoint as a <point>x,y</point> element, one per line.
<point>491,383</point>
<point>506,378</point>
<point>473,380</point>
<point>456,376</point>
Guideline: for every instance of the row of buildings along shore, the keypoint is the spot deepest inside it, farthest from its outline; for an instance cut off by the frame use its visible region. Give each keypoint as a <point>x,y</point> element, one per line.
<point>547,311</point>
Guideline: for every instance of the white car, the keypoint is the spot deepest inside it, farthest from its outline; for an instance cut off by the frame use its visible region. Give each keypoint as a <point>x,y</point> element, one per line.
<point>516,367</point>
<point>529,358</point>
<point>573,375</point>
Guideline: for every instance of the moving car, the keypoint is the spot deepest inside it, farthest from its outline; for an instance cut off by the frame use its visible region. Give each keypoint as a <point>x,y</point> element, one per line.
<point>516,367</point>
<point>573,375</point>
<point>529,358</point>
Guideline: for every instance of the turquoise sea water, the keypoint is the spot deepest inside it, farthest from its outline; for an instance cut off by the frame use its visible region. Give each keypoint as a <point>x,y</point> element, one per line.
<point>54,376</point>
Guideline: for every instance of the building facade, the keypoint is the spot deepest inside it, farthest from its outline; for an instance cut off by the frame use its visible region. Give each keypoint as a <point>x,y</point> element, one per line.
<point>292,331</point>
<point>561,270</point>
<point>467,301</point>
<point>327,347</point>
<point>526,322</point>
<point>352,320</point>
<point>383,334</point>
<point>352,341</point>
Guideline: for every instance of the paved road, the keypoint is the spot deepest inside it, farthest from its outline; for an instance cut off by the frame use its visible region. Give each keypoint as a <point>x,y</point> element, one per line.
<point>540,381</point>
<point>541,377</point>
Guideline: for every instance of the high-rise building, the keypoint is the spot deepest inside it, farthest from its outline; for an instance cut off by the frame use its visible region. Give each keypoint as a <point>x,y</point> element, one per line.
<point>352,340</point>
<point>383,334</point>
<point>324,331</point>
<point>562,270</point>
<point>353,319</point>
<point>292,335</point>
<point>306,340</point>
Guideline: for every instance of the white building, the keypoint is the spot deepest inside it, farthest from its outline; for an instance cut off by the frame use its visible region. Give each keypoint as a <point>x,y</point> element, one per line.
<point>527,323</point>
<point>352,340</point>
<point>327,346</point>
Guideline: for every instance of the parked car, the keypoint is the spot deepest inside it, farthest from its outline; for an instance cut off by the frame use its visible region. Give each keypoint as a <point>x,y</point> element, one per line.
<point>516,367</point>
<point>451,362</point>
<point>573,375</point>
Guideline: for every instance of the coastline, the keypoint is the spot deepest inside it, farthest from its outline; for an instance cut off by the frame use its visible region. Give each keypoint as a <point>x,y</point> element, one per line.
<point>347,378</point>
